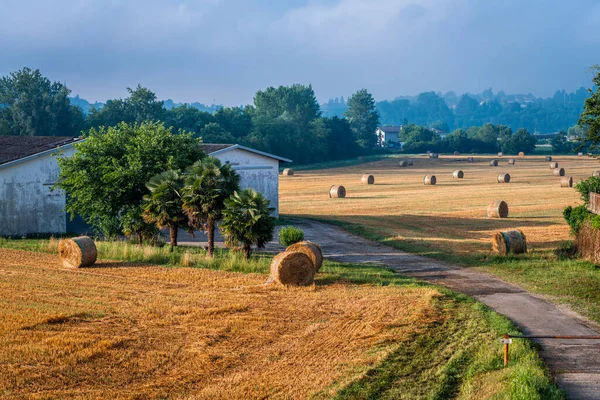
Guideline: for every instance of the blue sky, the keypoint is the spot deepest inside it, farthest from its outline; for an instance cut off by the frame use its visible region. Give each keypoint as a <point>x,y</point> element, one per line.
<point>226,50</point>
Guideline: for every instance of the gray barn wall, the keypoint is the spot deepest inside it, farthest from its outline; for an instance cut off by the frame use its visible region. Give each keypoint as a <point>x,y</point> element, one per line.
<point>27,205</point>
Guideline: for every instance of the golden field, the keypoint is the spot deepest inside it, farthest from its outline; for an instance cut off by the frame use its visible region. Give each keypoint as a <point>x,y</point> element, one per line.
<point>450,216</point>
<point>121,330</point>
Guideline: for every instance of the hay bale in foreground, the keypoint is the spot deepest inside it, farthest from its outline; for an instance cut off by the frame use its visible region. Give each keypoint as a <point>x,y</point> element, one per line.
<point>288,172</point>
<point>499,154</point>
<point>77,252</point>
<point>458,174</point>
<point>503,178</point>
<point>553,165</point>
<point>559,172</point>
<point>429,180</point>
<point>367,179</point>
<point>293,268</point>
<point>521,154</point>
<point>548,158</point>
<point>511,161</point>
<point>403,163</point>
<point>566,181</point>
<point>497,209</point>
<point>596,173</point>
<point>494,163</point>
<point>470,159</point>
<point>410,163</point>
<point>312,250</point>
<point>509,242</point>
<point>337,192</point>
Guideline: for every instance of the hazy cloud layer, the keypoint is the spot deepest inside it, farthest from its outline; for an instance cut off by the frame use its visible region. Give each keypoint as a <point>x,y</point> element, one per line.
<point>225,50</point>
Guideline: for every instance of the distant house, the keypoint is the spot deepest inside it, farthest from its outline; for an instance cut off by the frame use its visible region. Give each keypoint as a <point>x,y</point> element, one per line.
<point>388,135</point>
<point>257,169</point>
<point>28,170</point>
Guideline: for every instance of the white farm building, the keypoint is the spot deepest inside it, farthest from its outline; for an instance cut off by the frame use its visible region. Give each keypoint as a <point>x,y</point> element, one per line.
<point>29,169</point>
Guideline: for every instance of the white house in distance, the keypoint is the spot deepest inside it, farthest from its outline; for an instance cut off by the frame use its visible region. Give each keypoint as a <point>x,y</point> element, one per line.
<point>388,135</point>
<point>29,169</point>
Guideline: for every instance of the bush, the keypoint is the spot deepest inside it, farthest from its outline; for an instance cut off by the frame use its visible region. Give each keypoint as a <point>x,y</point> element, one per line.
<point>288,235</point>
<point>586,186</point>
<point>575,217</point>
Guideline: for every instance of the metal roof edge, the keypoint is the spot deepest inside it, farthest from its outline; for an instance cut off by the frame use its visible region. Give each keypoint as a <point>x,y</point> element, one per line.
<point>262,153</point>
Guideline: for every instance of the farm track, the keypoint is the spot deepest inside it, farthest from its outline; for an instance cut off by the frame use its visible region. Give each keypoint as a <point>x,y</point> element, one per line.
<point>575,364</point>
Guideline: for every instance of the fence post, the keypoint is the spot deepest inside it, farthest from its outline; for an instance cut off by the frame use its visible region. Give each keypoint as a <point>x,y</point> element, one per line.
<point>506,341</point>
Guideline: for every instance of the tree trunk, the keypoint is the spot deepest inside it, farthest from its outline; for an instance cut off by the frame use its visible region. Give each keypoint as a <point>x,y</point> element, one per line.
<point>210,231</point>
<point>247,251</point>
<point>173,235</point>
<point>140,238</point>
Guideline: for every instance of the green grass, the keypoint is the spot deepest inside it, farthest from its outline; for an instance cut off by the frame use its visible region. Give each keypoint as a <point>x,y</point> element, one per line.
<point>453,358</point>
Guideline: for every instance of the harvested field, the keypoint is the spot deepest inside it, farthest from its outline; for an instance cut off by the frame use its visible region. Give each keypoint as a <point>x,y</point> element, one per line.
<point>119,330</point>
<point>451,216</point>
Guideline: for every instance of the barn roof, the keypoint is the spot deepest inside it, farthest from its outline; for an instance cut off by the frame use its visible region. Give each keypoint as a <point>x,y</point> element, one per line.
<point>13,148</point>
<point>213,149</point>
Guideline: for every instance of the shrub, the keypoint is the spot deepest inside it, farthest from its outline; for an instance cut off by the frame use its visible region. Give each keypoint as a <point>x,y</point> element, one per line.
<point>586,186</point>
<point>288,235</point>
<point>575,217</point>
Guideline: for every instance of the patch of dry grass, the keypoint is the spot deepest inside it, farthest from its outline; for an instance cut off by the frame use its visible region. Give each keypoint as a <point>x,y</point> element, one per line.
<point>134,331</point>
<point>451,215</point>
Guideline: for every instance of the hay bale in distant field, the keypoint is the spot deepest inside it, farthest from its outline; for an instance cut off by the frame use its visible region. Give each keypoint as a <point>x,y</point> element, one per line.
<point>596,173</point>
<point>77,252</point>
<point>403,163</point>
<point>566,181</point>
<point>456,153</point>
<point>312,250</point>
<point>579,154</point>
<point>497,209</point>
<point>433,155</point>
<point>511,161</point>
<point>458,174</point>
<point>548,158</point>
<point>367,179</point>
<point>494,163</point>
<point>503,178</point>
<point>509,242</point>
<point>521,154</point>
<point>499,154</point>
<point>293,268</point>
<point>429,180</point>
<point>410,163</point>
<point>553,165</point>
<point>470,159</point>
<point>559,172</point>
<point>288,172</point>
<point>337,192</point>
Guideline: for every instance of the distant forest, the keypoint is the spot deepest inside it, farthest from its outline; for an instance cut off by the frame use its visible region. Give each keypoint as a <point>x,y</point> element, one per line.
<point>450,111</point>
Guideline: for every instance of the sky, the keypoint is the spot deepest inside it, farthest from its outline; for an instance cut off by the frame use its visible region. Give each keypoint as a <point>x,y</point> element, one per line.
<point>223,51</point>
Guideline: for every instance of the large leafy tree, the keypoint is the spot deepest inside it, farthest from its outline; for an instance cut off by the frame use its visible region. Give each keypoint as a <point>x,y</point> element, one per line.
<point>32,105</point>
<point>521,140</point>
<point>207,184</point>
<point>108,173</point>
<point>163,205</point>
<point>363,118</point>
<point>247,220</point>
<point>590,118</point>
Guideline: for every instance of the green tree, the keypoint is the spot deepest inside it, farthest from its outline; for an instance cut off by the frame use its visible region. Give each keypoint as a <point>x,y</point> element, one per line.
<point>163,205</point>
<point>140,106</point>
<point>31,105</point>
<point>187,118</point>
<point>363,118</point>
<point>207,184</point>
<point>213,133</point>
<point>560,144</point>
<point>234,120</point>
<point>296,103</point>
<point>108,173</point>
<point>134,224</point>
<point>590,117</point>
<point>247,220</point>
<point>521,140</point>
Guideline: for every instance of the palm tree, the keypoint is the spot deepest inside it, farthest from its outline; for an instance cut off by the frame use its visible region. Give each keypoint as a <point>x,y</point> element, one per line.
<point>163,205</point>
<point>207,184</point>
<point>247,220</point>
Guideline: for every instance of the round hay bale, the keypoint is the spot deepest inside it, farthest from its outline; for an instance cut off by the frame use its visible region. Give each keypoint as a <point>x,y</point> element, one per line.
<point>566,181</point>
<point>509,242</point>
<point>503,178</point>
<point>293,268</point>
<point>433,155</point>
<point>456,153</point>
<point>410,163</point>
<point>494,163</point>
<point>548,158</point>
<point>553,165</point>
<point>596,173</point>
<point>559,172</point>
<point>458,174</point>
<point>497,209</point>
<point>337,192</point>
<point>403,163</point>
<point>367,179</point>
<point>511,161</point>
<point>521,154</point>
<point>429,180</point>
<point>77,252</point>
<point>288,172</point>
<point>470,159</point>
<point>579,154</point>
<point>499,154</point>
<point>312,250</point>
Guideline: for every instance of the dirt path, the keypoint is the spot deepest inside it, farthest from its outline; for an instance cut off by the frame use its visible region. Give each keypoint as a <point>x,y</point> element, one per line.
<point>575,364</point>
